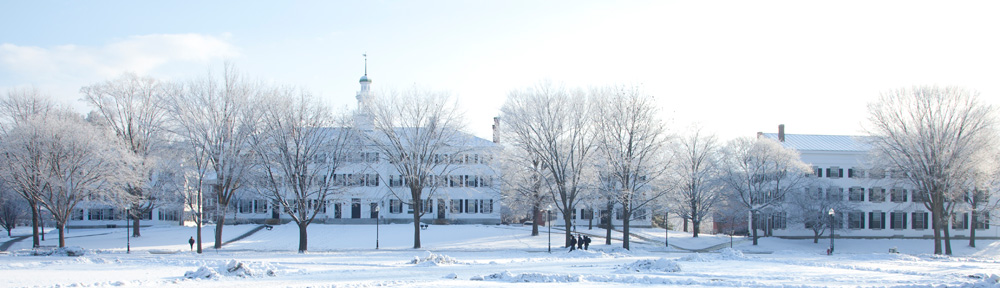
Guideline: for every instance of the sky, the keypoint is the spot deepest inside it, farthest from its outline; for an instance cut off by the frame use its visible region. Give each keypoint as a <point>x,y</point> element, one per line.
<point>732,68</point>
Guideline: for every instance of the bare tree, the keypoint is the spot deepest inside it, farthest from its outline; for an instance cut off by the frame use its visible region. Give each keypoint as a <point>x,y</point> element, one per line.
<point>982,195</point>
<point>131,107</point>
<point>78,160</point>
<point>523,185</point>
<point>936,137</point>
<point>215,117</point>
<point>632,143</point>
<point>301,146</point>
<point>415,130</point>
<point>16,108</point>
<point>759,172</point>
<point>11,209</point>
<point>812,204</point>
<point>696,174</point>
<point>553,126</point>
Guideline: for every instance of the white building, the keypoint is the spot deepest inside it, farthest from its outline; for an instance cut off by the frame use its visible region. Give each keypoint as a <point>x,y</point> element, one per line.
<point>879,203</point>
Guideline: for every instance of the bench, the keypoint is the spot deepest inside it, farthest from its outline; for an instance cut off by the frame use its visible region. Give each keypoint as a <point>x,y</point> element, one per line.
<point>424,226</point>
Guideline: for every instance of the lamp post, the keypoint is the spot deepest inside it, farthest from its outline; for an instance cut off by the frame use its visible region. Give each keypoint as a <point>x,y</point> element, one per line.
<point>832,226</point>
<point>666,228</point>
<point>548,211</point>
<point>128,230</point>
<point>378,217</point>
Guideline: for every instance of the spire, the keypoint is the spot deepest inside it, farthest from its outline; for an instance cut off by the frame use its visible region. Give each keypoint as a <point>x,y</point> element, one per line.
<point>364,78</point>
<point>366,62</point>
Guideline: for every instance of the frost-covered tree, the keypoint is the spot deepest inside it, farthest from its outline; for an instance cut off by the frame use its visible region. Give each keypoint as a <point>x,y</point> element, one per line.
<point>12,208</point>
<point>78,161</point>
<point>523,185</point>
<point>24,174</point>
<point>554,126</point>
<point>759,173</point>
<point>811,205</point>
<point>300,147</point>
<point>631,142</point>
<point>133,108</point>
<point>695,172</point>
<point>215,118</point>
<point>936,137</point>
<point>413,129</point>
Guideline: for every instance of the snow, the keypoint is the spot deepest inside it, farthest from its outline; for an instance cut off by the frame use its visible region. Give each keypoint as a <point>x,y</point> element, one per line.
<point>486,256</point>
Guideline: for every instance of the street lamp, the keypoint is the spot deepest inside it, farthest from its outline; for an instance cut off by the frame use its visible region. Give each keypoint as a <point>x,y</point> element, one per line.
<point>377,218</point>
<point>548,211</point>
<point>831,212</point>
<point>666,229</point>
<point>128,230</point>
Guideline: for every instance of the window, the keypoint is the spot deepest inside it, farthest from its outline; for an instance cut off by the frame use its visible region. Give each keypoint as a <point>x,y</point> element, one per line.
<point>778,220</point>
<point>897,174</point>
<point>485,181</point>
<point>587,214</point>
<point>897,195</point>
<point>371,180</point>
<point>856,194</point>
<point>168,215</point>
<point>637,214</point>
<point>855,173</point>
<point>395,206</point>
<point>396,181</point>
<point>427,205</point>
<point>856,220</point>
<point>77,214</point>
<point>487,206</point>
<point>876,174</point>
<point>897,220</point>
<point>456,206</point>
<point>373,208</point>
<point>918,196</point>
<point>960,221</point>
<point>260,206</point>
<point>471,181</point>
<point>876,194</point>
<point>981,220</point>
<point>876,220</point>
<point>835,194</point>
<point>817,172</point>
<point>919,220</point>
<point>834,172</point>
<point>338,210</point>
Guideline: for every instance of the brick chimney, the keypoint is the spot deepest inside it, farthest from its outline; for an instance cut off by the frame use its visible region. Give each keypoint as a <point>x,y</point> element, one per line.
<point>781,132</point>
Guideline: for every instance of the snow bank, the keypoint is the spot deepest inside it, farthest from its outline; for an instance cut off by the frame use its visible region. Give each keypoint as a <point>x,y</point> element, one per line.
<point>731,254</point>
<point>63,251</point>
<point>658,265</point>
<point>506,276</point>
<point>233,268</point>
<point>696,257</point>
<point>985,281</point>
<point>431,259</point>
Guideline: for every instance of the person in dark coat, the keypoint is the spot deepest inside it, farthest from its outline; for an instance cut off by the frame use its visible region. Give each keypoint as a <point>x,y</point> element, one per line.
<point>579,241</point>
<point>572,243</point>
<point>586,242</point>
<point>191,241</point>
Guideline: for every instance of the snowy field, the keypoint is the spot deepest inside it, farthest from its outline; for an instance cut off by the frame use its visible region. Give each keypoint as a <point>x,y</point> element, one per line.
<point>485,256</point>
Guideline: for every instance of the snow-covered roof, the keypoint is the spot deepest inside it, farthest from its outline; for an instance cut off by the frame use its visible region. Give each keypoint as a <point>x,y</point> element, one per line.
<point>845,143</point>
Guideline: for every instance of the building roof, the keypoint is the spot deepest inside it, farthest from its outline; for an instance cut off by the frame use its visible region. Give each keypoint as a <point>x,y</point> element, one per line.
<point>845,143</point>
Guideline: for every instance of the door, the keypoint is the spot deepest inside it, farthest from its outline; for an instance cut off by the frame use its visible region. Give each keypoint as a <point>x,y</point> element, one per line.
<point>441,208</point>
<point>356,208</point>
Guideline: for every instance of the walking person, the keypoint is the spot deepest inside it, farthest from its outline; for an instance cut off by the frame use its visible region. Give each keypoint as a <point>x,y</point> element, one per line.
<point>586,242</point>
<point>572,243</point>
<point>579,241</point>
<point>191,241</point>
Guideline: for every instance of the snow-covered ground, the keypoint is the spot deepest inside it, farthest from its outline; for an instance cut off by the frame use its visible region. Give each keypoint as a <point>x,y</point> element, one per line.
<point>485,256</point>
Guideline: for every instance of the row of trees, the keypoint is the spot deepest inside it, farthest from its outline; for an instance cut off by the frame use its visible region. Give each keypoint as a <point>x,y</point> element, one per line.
<point>150,143</point>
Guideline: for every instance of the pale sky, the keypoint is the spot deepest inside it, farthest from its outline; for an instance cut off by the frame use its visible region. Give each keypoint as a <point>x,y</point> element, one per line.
<point>734,67</point>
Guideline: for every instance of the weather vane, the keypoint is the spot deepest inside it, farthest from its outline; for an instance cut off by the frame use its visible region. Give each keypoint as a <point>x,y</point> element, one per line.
<point>366,62</point>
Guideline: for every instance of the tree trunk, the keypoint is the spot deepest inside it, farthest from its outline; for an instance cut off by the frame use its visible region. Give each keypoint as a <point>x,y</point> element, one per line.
<point>753,226</point>
<point>135,226</point>
<point>62,234</point>
<point>625,230</point>
<point>947,239</point>
<point>815,237</point>
<point>568,219</point>
<point>416,228</point>
<point>536,215</point>
<point>695,228</point>
<point>35,242</point>
<point>610,225</point>
<point>936,222</point>
<point>218,231</point>
<point>303,238</point>
<point>972,230</point>
<point>685,226</point>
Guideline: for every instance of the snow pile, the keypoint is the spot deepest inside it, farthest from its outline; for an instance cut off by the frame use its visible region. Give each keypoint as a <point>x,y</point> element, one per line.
<point>985,281</point>
<point>506,276</point>
<point>62,251</point>
<point>658,265</point>
<point>432,259</point>
<point>232,268</point>
<point>731,254</point>
<point>696,257</point>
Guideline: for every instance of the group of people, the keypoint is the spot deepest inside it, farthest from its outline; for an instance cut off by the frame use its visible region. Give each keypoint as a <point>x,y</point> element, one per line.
<point>579,242</point>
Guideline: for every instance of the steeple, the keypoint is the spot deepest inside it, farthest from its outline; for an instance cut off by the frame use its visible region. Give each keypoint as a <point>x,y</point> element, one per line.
<point>362,117</point>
